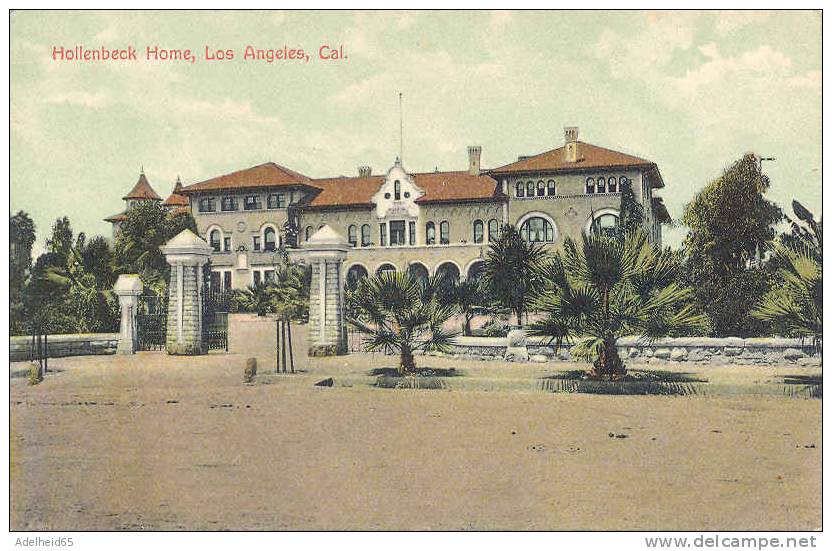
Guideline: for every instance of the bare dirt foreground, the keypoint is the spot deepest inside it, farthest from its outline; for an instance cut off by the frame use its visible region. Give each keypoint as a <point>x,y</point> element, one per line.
<point>154,442</point>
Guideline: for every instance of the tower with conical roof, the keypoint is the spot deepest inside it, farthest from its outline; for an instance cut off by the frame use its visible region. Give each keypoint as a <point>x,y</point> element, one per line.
<point>176,202</point>
<point>140,193</point>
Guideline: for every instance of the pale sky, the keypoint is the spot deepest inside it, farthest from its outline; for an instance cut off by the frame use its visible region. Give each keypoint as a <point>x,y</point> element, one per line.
<point>691,91</point>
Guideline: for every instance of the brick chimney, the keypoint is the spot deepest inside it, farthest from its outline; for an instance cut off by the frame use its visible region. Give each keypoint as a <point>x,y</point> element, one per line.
<point>364,171</point>
<point>570,134</point>
<point>474,153</point>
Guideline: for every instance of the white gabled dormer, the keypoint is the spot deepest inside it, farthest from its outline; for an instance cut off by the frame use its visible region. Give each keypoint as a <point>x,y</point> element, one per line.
<point>397,195</point>
<point>396,207</point>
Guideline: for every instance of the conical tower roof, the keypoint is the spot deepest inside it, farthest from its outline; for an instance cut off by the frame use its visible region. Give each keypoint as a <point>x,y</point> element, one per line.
<point>176,199</point>
<point>142,190</point>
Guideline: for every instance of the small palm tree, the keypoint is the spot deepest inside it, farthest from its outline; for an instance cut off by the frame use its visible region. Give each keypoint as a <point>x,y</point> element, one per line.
<point>255,298</point>
<point>605,288</point>
<point>469,299</point>
<point>795,305</point>
<point>513,271</point>
<point>399,313</point>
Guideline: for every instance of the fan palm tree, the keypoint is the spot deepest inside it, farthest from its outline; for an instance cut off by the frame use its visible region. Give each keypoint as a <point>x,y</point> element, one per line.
<point>469,299</point>
<point>795,306</point>
<point>513,271</point>
<point>604,288</point>
<point>400,313</point>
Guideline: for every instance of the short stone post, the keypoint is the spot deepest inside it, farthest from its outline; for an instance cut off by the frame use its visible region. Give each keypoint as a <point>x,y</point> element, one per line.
<point>516,350</point>
<point>327,251</point>
<point>128,287</point>
<point>186,254</point>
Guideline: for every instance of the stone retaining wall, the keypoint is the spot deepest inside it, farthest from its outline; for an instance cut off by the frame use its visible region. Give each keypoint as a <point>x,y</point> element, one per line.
<point>66,345</point>
<point>730,350</point>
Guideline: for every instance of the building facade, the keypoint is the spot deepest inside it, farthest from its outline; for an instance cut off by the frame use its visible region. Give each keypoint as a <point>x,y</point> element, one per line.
<point>434,222</point>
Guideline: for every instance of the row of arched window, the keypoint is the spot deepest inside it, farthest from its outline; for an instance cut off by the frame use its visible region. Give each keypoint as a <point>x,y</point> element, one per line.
<point>540,189</point>
<point>479,230</point>
<point>605,185</point>
<point>265,241</point>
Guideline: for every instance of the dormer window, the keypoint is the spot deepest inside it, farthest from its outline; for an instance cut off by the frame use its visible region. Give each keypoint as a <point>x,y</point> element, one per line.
<point>397,191</point>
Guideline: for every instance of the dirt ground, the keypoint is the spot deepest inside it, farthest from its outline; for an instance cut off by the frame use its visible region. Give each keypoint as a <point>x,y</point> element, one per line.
<point>153,442</point>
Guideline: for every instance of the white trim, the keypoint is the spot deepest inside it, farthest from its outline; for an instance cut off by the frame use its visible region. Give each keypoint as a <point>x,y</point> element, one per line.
<point>470,264</point>
<point>351,265</point>
<point>448,261</point>
<point>596,214</point>
<point>539,214</point>
<point>382,263</point>
<point>420,263</point>
<point>277,236</point>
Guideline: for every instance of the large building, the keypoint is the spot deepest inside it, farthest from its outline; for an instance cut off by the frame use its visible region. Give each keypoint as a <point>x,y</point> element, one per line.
<point>425,222</point>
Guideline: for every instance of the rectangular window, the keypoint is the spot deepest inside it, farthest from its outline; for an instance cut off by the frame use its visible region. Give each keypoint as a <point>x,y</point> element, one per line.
<point>294,197</point>
<point>226,280</point>
<point>252,202</point>
<point>365,235</point>
<point>206,204</point>
<point>215,280</point>
<point>397,232</point>
<point>255,242</point>
<point>229,203</point>
<point>444,233</point>
<point>256,276</point>
<point>277,201</point>
<point>411,229</point>
<point>226,244</point>
<point>382,235</point>
<point>269,276</point>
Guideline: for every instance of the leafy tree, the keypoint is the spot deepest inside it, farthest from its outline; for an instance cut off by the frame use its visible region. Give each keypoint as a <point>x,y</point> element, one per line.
<point>513,271</point>
<point>21,239</point>
<point>470,300</point>
<point>731,224</point>
<point>148,226</point>
<point>603,288</point>
<point>401,313</point>
<point>631,212</point>
<point>795,304</point>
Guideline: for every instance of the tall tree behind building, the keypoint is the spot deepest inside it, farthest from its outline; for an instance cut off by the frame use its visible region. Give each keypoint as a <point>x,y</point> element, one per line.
<point>731,225</point>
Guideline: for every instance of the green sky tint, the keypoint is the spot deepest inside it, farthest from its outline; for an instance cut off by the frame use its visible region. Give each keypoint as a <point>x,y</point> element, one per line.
<point>691,91</point>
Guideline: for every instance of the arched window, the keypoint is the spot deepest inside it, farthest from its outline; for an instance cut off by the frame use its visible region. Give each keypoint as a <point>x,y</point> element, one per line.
<point>397,190</point>
<point>605,224</point>
<point>352,236</point>
<point>365,235</point>
<point>590,185</point>
<point>520,189</point>
<point>308,233</point>
<point>215,240</point>
<point>478,231</point>
<point>550,188</point>
<point>529,189</point>
<point>602,185</point>
<point>385,268</point>
<point>493,229</point>
<point>444,232</point>
<point>270,239</point>
<point>537,230</point>
<point>430,234</point>
<point>356,273</point>
<point>541,188</point>
<point>612,185</point>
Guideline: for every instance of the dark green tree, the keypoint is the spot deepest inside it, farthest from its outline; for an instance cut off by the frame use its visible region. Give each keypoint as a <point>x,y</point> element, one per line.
<point>731,226</point>
<point>631,212</point>
<point>513,271</point>
<point>148,226</point>
<point>21,239</point>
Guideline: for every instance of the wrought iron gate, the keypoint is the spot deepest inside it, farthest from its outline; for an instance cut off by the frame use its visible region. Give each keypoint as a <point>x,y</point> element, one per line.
<point>151,321</point>
<point>215,306</point>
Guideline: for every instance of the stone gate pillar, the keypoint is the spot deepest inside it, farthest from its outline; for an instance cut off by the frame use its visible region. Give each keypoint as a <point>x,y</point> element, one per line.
<point>186,254</point>
<point>327,251</point>
<point>128,287</point>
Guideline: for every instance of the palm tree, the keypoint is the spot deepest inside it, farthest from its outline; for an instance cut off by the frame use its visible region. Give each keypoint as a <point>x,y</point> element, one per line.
<point>399,313</point>
<point>513,271</point>
<point>604,288</point>
<point>795,305</point>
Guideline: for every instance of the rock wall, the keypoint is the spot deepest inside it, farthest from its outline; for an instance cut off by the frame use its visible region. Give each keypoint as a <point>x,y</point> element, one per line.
<point>730,350</point>
<point>66,345</point>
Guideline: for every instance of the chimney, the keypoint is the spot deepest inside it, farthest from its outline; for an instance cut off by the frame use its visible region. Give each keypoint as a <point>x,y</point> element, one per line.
<point>364,171</point>
<point>474,152</point>
<point>570,134</point>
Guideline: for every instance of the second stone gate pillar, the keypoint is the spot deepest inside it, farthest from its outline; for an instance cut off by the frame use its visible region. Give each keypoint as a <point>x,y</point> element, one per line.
<point>186,254</point>
<point>327,251</point>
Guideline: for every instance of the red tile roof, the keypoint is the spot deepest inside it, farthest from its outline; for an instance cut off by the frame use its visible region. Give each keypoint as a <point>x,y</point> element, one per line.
<point>438,187</point>
<point>265,175</point>
<point>589,157</point>
<point>120,217</point>
<point>180,210</point>
<point>142,190</point>
<point>176,198</point>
